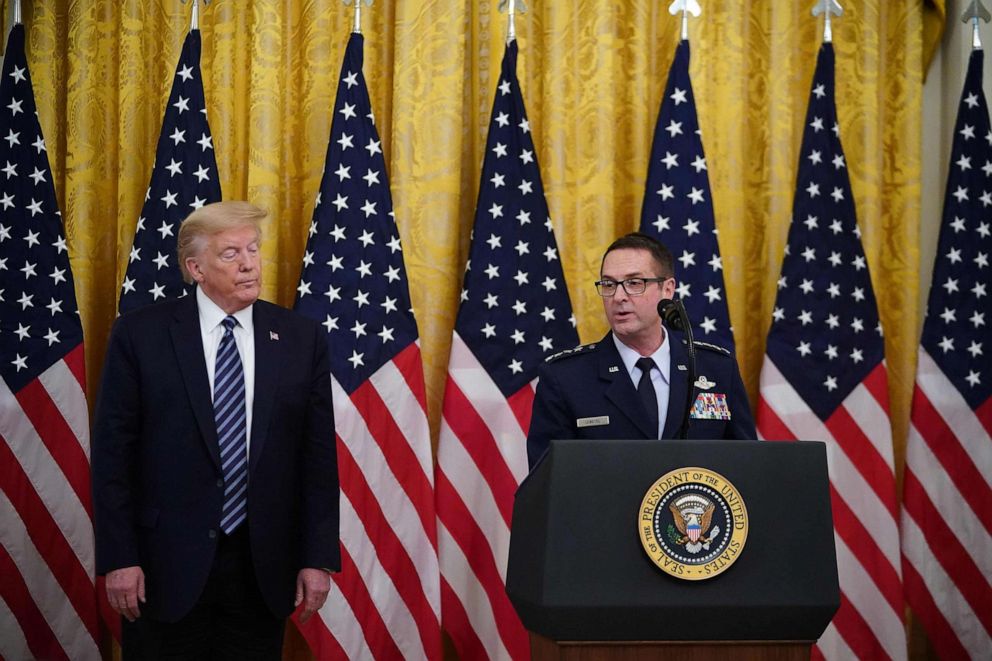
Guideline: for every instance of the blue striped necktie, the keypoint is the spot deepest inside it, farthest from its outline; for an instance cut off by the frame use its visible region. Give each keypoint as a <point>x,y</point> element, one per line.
<point>229,415</point>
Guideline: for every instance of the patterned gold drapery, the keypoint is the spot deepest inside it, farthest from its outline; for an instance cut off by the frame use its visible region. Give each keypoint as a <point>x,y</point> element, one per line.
<point>592,72</point>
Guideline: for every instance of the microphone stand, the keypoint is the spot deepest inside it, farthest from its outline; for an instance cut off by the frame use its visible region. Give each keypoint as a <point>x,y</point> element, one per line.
<point>674,315</point>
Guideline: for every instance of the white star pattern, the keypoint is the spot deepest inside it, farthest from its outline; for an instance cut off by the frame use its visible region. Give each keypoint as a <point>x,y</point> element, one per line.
<point>817,324</point>
<point>353,254</point>
<point>34,258</point>
<point>513,312</point>
<point>184,180</point>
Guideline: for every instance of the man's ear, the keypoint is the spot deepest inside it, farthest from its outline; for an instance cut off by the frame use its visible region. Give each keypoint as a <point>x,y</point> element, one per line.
<point>668,288</point>
<point>194,269</point>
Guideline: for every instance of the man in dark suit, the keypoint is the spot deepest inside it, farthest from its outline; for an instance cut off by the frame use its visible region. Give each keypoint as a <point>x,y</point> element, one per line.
<point>632,383</point>
<point>214,463</point>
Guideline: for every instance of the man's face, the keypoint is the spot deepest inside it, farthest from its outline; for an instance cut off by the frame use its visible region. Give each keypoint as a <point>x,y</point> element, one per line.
<point>634,319</point>
<point>227,269</point>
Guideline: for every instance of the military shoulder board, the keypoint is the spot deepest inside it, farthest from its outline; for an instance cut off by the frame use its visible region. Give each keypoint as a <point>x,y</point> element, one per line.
<point>712,347</point>
<point>582,348</point>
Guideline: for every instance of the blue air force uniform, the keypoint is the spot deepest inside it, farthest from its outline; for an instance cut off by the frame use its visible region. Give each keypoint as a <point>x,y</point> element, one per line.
<point>587,392</point>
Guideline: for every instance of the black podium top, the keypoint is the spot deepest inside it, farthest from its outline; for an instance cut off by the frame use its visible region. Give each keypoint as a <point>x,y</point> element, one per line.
<point>578,571</point>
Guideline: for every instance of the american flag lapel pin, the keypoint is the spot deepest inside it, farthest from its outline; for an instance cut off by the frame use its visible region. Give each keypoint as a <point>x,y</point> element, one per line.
<point>273,335</point>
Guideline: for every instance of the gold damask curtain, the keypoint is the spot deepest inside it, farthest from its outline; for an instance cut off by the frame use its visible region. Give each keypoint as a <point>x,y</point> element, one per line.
<point>592,73</point>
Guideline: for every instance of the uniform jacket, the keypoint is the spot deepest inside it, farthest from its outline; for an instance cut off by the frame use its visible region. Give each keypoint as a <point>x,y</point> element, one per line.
<point>157,479</point>
<point>587,393</point>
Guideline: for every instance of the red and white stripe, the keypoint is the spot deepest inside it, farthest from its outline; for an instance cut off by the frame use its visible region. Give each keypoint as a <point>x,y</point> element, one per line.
<point>947,515</point>
<point>482,457</point>
<point>48,606</point>
<point>869,623</point>
<point>385,603</point>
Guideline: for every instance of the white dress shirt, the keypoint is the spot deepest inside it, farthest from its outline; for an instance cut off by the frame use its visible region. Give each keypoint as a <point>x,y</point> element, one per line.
<point>212,330</point>
<point>659,377</point>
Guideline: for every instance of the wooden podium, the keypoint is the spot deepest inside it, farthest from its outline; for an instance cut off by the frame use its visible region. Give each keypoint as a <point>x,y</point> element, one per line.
<point>586,590</point>
<point>544,649</point>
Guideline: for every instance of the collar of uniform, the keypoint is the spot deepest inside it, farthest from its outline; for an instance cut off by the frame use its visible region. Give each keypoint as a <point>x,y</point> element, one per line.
<point>211,315</point>
<point>662,358</point>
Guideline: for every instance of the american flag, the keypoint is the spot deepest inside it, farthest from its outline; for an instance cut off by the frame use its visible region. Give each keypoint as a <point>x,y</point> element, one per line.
<point>824,379</point>
<point>184,178</point>
<point>48,605</point>
<point>514,311</point>
<point>678,207</point>
<point>947,489</point>
<point>386,602</point>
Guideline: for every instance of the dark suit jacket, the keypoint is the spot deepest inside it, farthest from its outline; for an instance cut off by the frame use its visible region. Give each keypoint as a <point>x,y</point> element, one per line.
<point>592,382</point>
<point>157,480</point>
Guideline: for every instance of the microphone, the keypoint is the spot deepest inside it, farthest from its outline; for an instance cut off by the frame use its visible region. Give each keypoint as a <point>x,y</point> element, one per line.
<point>674,315</point>
<point>669,312</point>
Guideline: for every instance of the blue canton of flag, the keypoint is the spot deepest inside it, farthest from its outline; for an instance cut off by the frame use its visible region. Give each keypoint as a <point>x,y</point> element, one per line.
<point>353,278</point>
<point>956,332</point>
<point>678,206</point>
<point>39,321</point>
<point>825,335</point>
<point>184,178</point>
<point>515,307</point>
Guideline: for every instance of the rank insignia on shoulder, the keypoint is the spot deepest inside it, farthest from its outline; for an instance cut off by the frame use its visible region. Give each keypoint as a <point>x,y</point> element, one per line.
<point>582,348</point>
<point>711,347</point>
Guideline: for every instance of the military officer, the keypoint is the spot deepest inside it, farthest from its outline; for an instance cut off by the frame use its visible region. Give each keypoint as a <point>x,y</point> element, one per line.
<point>632,383</point>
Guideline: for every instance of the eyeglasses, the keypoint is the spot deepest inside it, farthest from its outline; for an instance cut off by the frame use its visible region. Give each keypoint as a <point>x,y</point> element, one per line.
<point>633,286</point>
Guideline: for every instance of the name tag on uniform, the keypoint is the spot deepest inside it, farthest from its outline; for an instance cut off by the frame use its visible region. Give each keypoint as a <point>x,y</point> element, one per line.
<point>598,421</point>
<point>710,406</point>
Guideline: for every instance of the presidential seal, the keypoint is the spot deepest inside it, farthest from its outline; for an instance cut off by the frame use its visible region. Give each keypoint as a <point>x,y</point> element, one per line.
<point>693,523</point>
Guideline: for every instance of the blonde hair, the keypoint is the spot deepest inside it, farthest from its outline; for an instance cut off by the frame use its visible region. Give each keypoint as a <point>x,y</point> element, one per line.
<point>212,219</point>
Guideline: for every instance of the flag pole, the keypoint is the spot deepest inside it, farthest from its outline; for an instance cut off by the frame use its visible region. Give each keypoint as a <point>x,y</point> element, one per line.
<point>976,10</point>
<point>827,7</point>
<point>686,7</point>
<point>17,12</point>
<point>356,25</point>
<point>511,7</point>
<point>194,20</point>
<point>511,26</point>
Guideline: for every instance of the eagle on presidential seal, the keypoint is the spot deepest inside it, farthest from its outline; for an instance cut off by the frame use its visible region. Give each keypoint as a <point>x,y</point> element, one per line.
<point>693,515</point>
